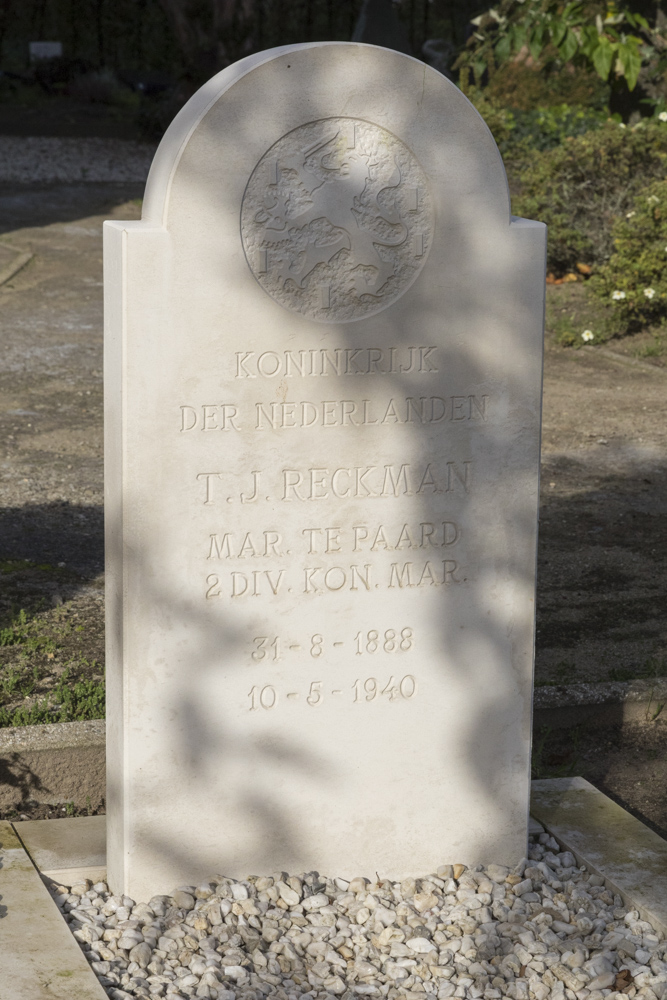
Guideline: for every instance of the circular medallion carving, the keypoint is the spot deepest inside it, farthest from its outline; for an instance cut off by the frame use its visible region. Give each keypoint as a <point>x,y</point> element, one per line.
<point>336,219</point>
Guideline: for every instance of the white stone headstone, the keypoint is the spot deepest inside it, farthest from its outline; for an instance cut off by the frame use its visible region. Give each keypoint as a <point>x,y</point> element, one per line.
<point>323,379</point>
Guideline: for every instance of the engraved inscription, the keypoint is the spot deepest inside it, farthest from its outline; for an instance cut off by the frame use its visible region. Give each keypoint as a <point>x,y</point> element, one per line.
<point>362,691</point>
<point>336,219</point>
<point>361,481</point>
<point>308,571</point>
<point>305,413</point>
<point>331,579</point>
<point>274,648</point>
<point>320,362</point>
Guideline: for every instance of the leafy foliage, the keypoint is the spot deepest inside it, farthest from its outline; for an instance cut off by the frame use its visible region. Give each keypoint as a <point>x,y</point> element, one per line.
<point>519,133</point>
<point>581,187</point>
<point>546,128</point>
<point>589,33</point>
<point>634,279</point>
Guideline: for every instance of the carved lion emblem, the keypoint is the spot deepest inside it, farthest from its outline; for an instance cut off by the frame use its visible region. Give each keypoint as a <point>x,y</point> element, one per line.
<point>336,219</point>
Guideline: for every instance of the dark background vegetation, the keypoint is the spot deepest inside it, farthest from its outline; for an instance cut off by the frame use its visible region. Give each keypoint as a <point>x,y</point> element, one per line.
<point>192,38</point>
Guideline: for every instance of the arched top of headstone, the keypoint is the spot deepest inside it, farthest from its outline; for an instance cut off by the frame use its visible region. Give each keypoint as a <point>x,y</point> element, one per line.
<point>295,98</point>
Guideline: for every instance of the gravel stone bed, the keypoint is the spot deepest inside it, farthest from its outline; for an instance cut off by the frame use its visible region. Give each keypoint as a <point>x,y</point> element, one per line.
<point>34,160</point>
<point>546,929</point>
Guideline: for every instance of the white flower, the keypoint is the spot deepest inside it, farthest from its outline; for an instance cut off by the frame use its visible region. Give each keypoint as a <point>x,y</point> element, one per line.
<point>663,116</point>
<point>649,292</point>
<point>616,296</point>
<point>652,199</point>
<point>630,214</point>
<point>587,335</point>
<point>621,125</point>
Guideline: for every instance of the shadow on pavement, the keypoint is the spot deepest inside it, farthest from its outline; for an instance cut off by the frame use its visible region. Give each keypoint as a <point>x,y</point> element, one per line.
<point>28,205</point>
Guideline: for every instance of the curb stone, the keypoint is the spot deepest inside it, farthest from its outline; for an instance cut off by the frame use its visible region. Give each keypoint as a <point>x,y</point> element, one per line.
<point>57,763</point>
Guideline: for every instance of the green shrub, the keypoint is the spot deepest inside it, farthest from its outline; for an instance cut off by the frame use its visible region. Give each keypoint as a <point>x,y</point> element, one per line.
<point>519,133</point>
<point>634,279</point>
<point>581,187</point>
<point>523,88</point>
<point>500,120</point>
<point>546,128</point>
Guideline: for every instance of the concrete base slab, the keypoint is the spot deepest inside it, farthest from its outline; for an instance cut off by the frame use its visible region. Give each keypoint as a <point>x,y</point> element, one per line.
<point>39,958</point>
<point>608,840</point>
<point>67,850</point>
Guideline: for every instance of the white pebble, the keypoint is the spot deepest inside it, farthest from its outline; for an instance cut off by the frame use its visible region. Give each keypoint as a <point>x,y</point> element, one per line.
<point>536,933</point>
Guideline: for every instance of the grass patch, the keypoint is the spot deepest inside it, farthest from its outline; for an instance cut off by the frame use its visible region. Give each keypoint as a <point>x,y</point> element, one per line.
<point>72,699</point>
<point>652,669</point>
<point>572,311</point>
<point>654,349</point>
<point>19,565</point>
<point>21,632</point>
<point>51,664</point>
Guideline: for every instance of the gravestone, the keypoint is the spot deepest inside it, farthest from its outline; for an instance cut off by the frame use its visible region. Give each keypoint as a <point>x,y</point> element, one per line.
<point>323,387</point>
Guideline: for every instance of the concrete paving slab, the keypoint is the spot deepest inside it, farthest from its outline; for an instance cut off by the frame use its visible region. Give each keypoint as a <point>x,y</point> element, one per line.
<point>66,850</point>
<point>39,958</point>
<point>608,840</point>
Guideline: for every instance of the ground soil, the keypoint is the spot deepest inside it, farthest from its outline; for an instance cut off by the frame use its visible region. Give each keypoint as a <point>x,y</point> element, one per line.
<point>602,566</point>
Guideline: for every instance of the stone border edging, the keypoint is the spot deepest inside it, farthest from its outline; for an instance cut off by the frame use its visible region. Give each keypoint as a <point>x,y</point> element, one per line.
<point>609,703</point>
<point>606,838</point>
<point>56,763</point>
<point>566,696</point>
<point>56,735</point>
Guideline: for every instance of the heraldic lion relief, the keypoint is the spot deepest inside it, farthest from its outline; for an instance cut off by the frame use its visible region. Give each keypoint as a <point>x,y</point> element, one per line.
<point>336,219</point>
